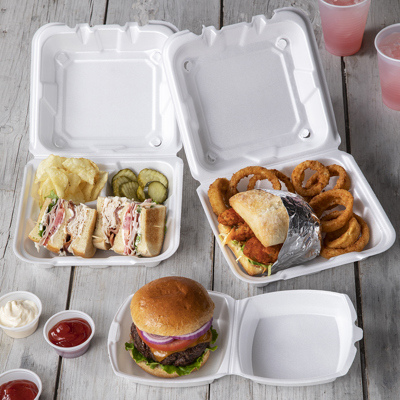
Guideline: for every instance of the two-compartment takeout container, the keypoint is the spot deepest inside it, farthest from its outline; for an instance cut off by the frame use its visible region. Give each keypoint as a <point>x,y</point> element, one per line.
<point>288,338</point>
<point>248,94</point>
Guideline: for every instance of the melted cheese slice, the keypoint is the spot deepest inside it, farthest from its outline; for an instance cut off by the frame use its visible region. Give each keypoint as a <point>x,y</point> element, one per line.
<point>159,355</point>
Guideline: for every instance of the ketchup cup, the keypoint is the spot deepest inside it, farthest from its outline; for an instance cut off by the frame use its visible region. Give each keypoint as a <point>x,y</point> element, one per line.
<point>24,374</point>
<point>26,330</point>
<point>68,352</point>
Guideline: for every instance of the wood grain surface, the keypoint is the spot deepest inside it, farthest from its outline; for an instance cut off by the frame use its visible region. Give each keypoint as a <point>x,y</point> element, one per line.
<point>368,129</point>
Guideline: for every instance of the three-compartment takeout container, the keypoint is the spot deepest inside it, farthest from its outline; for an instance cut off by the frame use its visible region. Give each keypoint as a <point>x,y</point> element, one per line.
<point>255,94</point>
<point>101,93</point>
<point>288,338</point>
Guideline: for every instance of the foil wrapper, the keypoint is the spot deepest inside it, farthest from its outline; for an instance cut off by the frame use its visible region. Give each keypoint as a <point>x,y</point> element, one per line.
<point>303,241</point>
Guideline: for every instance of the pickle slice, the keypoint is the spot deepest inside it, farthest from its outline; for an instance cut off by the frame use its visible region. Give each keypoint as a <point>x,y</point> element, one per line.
<point>125,172</point>
<point>157,192</point>
<point>140,194</point>
<point>116,184</point>
<point>129,190</point>
<point>150,175</point>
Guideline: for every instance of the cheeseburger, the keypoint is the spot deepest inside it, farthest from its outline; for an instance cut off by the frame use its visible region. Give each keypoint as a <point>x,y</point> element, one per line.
<point>254,229</point>
<point>171,334</point>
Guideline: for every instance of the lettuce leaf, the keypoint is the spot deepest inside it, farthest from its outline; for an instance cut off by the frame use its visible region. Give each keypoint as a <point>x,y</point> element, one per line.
<point>52,196</point>
<point>170,369</point>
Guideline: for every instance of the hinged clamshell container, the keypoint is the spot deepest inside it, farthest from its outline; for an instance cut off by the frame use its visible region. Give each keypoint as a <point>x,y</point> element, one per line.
<point>288,338</point>
<point>101,93</point>
<point>255,94</point>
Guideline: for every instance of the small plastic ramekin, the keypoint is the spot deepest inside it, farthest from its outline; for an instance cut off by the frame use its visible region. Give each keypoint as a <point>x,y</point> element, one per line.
<point>16,374</point>
<point>26,330</point>
<point>68,352</point>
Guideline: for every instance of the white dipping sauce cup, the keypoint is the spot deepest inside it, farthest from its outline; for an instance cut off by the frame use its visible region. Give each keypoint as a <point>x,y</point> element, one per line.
<point>26,330</point>
<point>68,352</point>
<point>16,374</point>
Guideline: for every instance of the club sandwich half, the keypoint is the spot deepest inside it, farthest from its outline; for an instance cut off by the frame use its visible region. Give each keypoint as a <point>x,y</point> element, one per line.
<point>128,227</point>
<point>63,227</point>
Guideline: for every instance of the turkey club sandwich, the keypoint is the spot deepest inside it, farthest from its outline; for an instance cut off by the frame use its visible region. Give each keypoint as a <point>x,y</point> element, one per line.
<point>64,227</point>
<point>171,334</point>
<point>254,229</point>
<point>128,227</point>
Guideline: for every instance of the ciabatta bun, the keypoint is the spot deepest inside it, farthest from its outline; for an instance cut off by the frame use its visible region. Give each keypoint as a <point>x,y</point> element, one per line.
<point>265,213</point>
<point>34,235</point>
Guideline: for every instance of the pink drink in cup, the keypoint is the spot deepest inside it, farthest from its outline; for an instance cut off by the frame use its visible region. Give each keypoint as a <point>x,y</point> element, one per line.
<point>387,43</point>
<point>343,24</point>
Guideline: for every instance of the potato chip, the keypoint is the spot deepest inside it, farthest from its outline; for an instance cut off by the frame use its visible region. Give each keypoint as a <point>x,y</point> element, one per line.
<point>102,180</point>
<point>59,179</point>
<point>87,170</point>
<point>50,161</point>
<point>73,182</point>
<point>45,189</point>
<point>76,198</point>
<point>86,190</point>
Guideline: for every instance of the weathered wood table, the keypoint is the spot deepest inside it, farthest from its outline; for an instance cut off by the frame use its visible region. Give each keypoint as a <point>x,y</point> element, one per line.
<point>369,131</point>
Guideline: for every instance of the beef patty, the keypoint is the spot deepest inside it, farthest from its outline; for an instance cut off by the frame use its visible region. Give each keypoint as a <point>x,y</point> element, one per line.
<point>178,359</point>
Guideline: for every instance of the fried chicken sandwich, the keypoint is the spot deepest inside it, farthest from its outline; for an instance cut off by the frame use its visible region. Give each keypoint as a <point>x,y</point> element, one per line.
<point>254,229</point>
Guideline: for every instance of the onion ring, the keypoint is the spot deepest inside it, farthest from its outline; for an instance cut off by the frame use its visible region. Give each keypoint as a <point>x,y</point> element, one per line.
<point>357,246</point>
<point>285,179</point>
<point>334,170</point>
<point>263,172</point>
<point>298,178</point>
<point>264,175</point>
<point>218,195</point>
<point>343,237</point>
<point>329,199</point>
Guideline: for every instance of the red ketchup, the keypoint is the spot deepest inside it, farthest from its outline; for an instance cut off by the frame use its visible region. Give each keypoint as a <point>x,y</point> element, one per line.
<point>70,332</point>
<point>20,389</point>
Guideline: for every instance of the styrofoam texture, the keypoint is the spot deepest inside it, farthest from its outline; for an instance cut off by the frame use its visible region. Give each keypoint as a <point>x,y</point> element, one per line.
<point>101,93</point>
<point>382,233</point>
<point>28,211</point>
<point>20,373</point>
<point>250,93</point>
<point>271,75</point>
<point>101,90</point>
<point>290,338</point>
<point>69,352</point>
<point>26,330</point>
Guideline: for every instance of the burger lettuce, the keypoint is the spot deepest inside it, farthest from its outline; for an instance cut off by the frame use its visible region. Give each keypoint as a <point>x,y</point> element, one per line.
<point>170,369</point>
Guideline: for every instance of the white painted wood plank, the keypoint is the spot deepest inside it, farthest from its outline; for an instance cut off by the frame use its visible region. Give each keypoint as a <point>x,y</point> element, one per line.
<point>374,132</point>
<point>101,292</point>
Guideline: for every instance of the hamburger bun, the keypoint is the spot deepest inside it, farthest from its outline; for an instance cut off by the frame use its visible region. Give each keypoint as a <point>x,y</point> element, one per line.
<point>265,214</point>
<point>171,306</point>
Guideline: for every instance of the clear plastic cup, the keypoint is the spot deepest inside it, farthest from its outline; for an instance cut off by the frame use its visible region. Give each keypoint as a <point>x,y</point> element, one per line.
<point>389,71</point>
<point>68,352</point>
<point>343,26</point>
<point>16,374</point>
<point>26,330</point>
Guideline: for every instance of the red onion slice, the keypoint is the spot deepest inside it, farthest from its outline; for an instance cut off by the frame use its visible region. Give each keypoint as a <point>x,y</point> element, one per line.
<point>156,339</point>
<point>196,334</point>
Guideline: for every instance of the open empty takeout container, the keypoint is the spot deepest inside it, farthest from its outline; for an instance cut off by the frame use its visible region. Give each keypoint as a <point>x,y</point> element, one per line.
<point>101,93</point>
<point>255,94</point>
<point>289,338</point>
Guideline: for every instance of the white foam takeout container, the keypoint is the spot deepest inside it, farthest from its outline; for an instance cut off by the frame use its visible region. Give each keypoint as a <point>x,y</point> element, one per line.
<point>255,94</point>
<point>101,93</point>
<point>288,338</point>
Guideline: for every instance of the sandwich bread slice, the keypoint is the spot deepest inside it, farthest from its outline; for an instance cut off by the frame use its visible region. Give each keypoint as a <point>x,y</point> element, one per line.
<point>63,227</point>
<point>142,229</point>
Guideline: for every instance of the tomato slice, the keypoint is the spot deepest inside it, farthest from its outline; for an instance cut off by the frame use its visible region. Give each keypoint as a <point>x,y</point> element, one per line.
<point>176,345</point>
